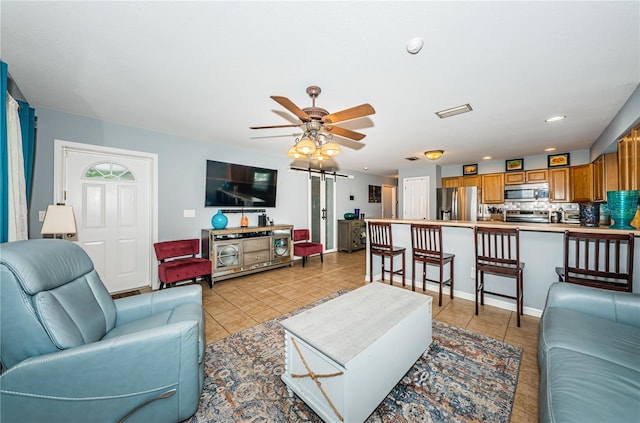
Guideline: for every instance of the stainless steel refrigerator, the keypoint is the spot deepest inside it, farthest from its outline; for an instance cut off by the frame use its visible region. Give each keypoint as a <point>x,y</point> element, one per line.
<point>457,203</point>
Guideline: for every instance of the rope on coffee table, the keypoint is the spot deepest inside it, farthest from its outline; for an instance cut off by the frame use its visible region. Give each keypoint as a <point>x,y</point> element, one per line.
<point>315,378</point>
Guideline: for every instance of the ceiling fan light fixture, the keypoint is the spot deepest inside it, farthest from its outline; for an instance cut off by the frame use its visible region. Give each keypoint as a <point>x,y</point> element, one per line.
<point>330,149</point>
<point>319,156</point>
<point>305,146</point>
<point>294,154</point>
<point>454,111</point>
<point>433,154</point>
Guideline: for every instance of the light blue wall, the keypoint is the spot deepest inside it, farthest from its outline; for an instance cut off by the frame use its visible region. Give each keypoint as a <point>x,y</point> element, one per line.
<point>181,174</point>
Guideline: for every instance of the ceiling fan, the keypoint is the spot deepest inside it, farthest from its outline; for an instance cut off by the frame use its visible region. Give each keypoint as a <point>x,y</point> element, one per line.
<point>316,142</point>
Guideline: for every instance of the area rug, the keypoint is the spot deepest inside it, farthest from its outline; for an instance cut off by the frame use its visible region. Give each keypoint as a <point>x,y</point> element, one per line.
<point>463,376</point>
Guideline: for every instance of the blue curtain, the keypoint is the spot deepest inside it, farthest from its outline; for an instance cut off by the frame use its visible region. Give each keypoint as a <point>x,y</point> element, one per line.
<point>27,127</point>
<point>4,175</point>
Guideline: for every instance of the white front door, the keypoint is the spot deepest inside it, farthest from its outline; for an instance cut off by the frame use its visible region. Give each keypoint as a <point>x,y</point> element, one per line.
<point>113,197</point>
<point>322,209</point>
<point>415,198</point>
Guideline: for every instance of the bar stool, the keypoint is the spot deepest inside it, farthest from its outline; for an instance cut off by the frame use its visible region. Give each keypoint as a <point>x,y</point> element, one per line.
<point>381,244</point>
<point>498,253</point>
<point>426,244</point>
<point>595,259</point>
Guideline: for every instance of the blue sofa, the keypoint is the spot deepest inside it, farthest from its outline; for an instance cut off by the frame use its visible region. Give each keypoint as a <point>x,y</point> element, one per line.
<point>70,353</point>
<point>589,355</point>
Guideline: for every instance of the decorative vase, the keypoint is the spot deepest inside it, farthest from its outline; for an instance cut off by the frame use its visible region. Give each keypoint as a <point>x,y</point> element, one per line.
<point>622,208</point>
<point>589,214</point>
<point>244,221</point>
<point>219,220</point>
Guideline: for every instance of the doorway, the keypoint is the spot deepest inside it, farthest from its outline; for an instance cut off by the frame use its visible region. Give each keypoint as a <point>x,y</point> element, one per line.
<point>389,202</point>
<point>415,198</point>
<point>113,193</point>
<point>322,209</point>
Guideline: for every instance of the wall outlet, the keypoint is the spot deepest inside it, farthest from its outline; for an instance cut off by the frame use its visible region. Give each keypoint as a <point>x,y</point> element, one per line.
<point>189,213</point>
<point>473,272</point>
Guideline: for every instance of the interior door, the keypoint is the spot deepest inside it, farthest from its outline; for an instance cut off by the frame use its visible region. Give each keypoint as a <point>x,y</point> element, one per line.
<point>112,197</point>
<point>322,207</point>
<point>415,199</point>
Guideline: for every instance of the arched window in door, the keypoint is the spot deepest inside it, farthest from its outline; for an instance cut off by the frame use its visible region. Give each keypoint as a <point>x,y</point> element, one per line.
<point>109,170</point>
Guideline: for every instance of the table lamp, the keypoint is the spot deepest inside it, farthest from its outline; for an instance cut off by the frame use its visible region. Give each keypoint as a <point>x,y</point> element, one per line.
<point>59,220</point>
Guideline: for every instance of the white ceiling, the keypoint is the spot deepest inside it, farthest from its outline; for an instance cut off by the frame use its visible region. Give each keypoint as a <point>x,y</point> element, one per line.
<point>205,70</point>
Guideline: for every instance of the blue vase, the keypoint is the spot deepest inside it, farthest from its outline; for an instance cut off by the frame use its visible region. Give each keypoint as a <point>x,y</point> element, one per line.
<point>219,220</point>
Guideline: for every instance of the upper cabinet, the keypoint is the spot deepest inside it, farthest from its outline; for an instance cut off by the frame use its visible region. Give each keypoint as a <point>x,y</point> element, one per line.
<point>452,182</point>
<point>472,181</point>
<point>536,176</point>
<point>528,177</point>
<point>629,160</point>
<point>514,178</point>
<point>581,183</point>
<point>605,176</point>
<point>559,185</point>
<point>493,188</point>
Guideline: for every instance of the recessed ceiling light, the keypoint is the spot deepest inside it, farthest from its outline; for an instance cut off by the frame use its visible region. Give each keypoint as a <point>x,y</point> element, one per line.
<point>555,118</point>
<point>487,158</point>
<point>454,111</point>
<point>550,149</point>
<point>365,168</point>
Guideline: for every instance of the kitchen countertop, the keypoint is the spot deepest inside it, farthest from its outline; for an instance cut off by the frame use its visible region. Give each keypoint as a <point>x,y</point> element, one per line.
<point>534,227</point>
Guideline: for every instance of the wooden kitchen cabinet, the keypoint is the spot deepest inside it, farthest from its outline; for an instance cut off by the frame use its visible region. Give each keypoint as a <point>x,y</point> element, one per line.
<point>629,160</point>
<point>581,178</point>
<point>514,178</point>
<point>559,185</point>
<point>452,182</point>
<point>472,181</point>
<point>526,177</point>
<point>605,176</point>
<point>536,176</point>
<point>493,188</point>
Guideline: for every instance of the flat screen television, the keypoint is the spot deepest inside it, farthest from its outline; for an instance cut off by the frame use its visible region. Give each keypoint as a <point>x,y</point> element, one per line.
<point>230,184</point>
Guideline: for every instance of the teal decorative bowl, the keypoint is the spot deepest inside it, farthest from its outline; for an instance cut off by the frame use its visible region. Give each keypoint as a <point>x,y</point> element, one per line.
<point>349,216</point>
<point>622,207</point>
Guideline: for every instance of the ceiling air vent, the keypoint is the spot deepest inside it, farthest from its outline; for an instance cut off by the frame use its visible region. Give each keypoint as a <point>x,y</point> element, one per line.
<point>412,159</point>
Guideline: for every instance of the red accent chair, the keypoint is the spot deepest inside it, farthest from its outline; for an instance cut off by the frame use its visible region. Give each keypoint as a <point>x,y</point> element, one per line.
<point>304,248</point>
<point>178,262</point>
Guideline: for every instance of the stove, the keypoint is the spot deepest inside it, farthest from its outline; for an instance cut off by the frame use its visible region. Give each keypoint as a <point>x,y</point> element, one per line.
<point>528,216</point>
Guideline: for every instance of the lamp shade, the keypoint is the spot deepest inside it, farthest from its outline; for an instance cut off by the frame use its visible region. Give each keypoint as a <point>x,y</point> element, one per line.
<point>305,146</point>
<point>294,154</point>
<point>59,220</point>
<point>433,154</point>
<point>330,149</point>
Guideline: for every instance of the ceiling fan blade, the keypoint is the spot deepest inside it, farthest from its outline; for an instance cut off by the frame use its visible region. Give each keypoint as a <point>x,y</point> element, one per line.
<point>348,114</point>
<point>344,132</point>
<point>290,106</point>
<point>275,126</point>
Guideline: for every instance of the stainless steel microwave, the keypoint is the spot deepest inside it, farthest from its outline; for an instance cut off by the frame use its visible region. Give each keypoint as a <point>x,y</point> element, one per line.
<point>526,192</point>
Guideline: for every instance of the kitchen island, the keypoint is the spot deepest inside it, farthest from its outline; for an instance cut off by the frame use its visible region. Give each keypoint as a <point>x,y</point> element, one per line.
<point>541,249</point>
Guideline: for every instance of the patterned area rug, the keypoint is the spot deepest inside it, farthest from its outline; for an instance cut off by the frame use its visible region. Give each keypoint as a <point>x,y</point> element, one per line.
<point>463,376</point>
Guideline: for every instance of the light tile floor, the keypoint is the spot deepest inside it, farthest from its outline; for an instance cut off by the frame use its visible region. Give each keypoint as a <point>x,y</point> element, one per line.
<point>236,304</point>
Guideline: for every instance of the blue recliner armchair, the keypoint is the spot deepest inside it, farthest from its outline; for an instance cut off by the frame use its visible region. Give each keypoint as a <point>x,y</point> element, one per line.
<point>70,353</point>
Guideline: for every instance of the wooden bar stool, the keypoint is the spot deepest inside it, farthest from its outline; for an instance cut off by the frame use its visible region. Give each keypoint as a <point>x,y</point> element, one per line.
<point>498,253</point>
<point>381,244</point>
<point>426,244</point>
<point>598,260</point>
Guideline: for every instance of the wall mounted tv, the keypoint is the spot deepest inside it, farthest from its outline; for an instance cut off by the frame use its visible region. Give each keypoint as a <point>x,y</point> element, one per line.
<point>230,184</point>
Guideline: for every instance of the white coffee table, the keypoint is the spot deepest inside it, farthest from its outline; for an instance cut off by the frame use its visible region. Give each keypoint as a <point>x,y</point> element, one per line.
<point>343,357</point>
